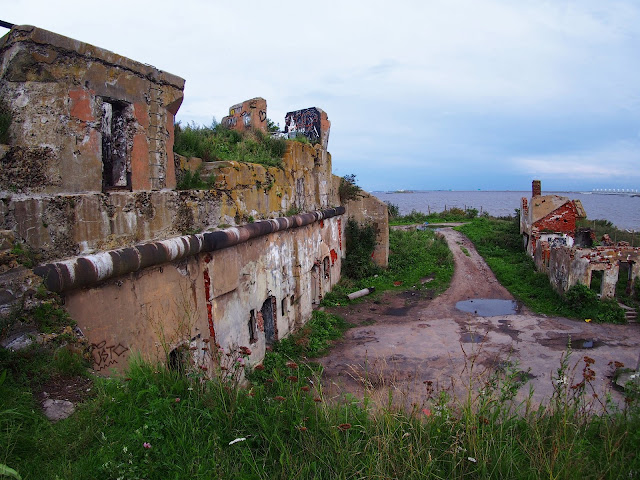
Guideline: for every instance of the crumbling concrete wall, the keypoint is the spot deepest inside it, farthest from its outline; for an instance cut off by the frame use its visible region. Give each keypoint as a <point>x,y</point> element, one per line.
<point>87,183</point>
<point>250,114</point>
<point>58,226</point>
<point>250,294</point>
<point>84,119</point>
<point>568,266</point>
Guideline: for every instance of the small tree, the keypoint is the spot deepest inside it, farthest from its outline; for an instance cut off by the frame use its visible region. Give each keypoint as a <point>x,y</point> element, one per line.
<point>348,190</point>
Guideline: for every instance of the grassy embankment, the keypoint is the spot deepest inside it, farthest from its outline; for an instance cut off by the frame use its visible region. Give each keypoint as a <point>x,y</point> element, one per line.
<point>414,258</point>
<point>218,143</point>
<point>158,424</point>
<point>500,243</point>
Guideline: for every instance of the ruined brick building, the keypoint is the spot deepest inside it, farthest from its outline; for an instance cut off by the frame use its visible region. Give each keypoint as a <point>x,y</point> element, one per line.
<point>565,253</point>
<point>88,182</point>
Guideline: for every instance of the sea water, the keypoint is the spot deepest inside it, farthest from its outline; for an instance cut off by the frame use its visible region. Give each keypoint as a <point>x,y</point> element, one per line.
<point>621,210</point>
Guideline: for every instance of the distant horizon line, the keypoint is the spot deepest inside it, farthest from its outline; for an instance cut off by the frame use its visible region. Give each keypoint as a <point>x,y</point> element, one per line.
<point>595,190</point>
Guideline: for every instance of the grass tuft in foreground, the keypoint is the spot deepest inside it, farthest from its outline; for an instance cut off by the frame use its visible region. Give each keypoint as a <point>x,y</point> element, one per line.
<point>158,424</point>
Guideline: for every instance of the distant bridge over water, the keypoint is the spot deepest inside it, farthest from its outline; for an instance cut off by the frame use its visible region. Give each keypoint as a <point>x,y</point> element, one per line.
<point>629,192</point>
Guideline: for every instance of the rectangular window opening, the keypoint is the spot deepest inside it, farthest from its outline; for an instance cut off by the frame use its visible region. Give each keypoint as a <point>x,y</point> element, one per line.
<point>253,330</point>
<point>116,173</point>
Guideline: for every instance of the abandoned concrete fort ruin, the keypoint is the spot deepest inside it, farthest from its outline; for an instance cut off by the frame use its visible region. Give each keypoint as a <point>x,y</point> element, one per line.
<point>566,253</point>
<point>88,181</point>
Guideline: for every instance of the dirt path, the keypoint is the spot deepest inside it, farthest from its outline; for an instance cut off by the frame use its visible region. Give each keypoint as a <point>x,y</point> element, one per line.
<point>412,344</point>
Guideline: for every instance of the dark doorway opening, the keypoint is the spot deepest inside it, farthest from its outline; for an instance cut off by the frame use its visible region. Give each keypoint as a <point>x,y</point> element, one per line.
<point>596,281</point>
<point>269,312</point>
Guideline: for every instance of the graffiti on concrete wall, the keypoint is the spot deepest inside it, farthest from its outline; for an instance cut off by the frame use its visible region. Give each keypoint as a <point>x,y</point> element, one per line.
<point>304,122</point>
<point>246,115</point>
<point>103,355</point>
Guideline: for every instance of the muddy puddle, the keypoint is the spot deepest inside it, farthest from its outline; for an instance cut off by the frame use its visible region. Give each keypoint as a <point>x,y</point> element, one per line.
<point>488,307</point>
<point>564,342</point>
<point>470,337</point>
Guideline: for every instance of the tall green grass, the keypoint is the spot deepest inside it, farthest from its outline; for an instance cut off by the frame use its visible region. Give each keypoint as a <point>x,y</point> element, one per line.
<point>220,143</point>
<point>414,257</point>
<point>158,424</point>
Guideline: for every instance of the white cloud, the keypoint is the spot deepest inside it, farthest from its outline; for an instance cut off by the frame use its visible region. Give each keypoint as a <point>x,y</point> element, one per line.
<point>614,162</point>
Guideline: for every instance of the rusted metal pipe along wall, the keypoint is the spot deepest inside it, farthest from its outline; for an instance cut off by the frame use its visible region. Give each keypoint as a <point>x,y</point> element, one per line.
<point>84,271</point>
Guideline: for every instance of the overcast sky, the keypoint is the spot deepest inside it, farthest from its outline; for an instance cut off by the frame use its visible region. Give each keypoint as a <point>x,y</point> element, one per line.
<point>430,94</point>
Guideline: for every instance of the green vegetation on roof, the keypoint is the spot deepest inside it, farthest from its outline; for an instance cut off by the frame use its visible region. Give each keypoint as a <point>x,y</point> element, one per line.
<point>219,143</point>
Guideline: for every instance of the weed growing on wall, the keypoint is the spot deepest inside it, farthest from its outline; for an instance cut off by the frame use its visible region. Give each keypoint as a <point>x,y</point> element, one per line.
<point>393,210</point>
<point>219,143</point>
<point>194,181</point>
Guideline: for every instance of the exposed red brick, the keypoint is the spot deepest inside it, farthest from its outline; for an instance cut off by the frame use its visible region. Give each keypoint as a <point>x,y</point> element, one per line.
<point>81,105</point>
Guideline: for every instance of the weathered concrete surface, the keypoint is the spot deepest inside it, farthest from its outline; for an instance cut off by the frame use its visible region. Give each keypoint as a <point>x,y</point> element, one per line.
<point>61,93</point>
<point>405,340</point>
<point>58,226</point>
<point>89,270</point>
<point>567,267</point>
<point>211,297</point>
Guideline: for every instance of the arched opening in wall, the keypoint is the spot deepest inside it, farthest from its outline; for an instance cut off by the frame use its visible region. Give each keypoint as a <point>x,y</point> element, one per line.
<point>283,306</point>
<point>596,281</point>
<point>116,174</point>
<point>253,328</point>
<point>178,359</point>
<point>269,311</point>
<point>315,285</point>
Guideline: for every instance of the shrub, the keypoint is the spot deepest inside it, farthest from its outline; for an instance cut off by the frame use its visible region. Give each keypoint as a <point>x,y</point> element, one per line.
<point>193,181</point>
<point>361,240</point>
<point>272,126</point>
<point>393,209</point>
<point>581,297</point>
<point>69,363</point>
<point>584,302</point>
<point>348,190</point>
